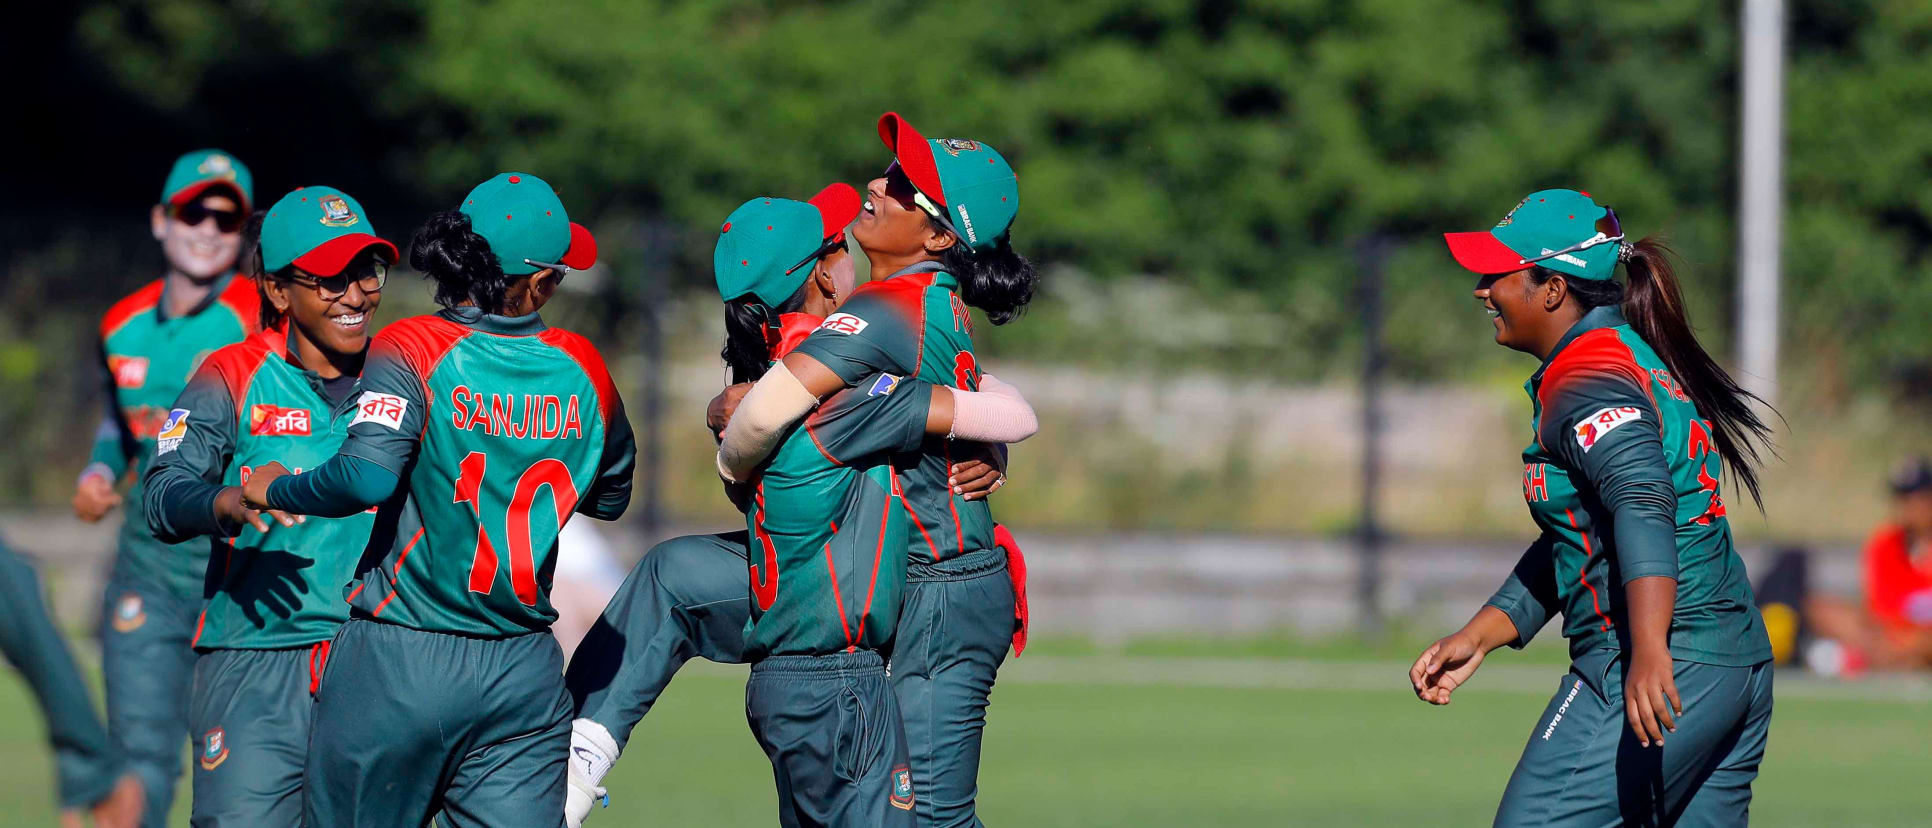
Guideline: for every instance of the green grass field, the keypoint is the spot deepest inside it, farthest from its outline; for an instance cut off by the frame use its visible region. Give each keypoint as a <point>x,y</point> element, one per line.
<point>1095,740</point>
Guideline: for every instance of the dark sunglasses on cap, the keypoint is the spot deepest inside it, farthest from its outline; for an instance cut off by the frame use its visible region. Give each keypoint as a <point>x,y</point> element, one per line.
<point>194,213</point>
<point>369,275</point>
<point>1608,231</point>
<point>900,188</point>
<point>832,245</point>
<point>561,268</point>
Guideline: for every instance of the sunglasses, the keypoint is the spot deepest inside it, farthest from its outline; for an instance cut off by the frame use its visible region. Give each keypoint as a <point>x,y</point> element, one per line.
<point>833,245</point>
<point>900,188</point>
<point>1608,230</point>
<point>559,267</point>
<point>194,213</point>
<point>369,276</point>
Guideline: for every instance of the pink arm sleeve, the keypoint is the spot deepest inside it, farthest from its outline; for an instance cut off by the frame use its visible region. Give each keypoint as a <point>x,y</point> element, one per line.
<point>996,413</point>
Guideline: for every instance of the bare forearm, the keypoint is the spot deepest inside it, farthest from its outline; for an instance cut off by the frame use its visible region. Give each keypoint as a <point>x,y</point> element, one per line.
<point>1652,600</point>
<point>1490,628</point>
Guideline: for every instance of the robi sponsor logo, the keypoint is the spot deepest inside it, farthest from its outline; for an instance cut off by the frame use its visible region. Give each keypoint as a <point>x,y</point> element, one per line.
<point>844,323</point>
<point>275,421</point>
<point>129,372</point>
<point>1592,428</point>
<point>522,416</point>
<point>381,409</point>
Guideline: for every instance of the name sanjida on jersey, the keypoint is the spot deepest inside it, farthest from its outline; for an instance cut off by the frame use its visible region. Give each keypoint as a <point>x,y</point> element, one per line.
<point>540,416</point>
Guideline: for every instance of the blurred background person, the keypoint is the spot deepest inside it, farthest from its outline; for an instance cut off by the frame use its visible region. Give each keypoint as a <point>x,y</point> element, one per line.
<point>151,342</point>
<point>1891,629</point>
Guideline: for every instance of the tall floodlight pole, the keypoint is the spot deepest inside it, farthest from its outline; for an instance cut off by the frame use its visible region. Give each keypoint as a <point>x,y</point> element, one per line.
<point>1760,194</point>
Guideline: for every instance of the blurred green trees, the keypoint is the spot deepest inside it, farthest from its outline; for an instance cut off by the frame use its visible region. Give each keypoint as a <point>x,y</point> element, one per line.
<point>1242,151</point>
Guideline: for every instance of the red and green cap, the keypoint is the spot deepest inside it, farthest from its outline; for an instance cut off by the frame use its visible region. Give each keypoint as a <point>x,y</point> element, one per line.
<point>524,222</point>
<point>197,171</point>
<point>767,245</point>
<point>318,229</point>
<point>1562,230</point>
<point>968,181</point>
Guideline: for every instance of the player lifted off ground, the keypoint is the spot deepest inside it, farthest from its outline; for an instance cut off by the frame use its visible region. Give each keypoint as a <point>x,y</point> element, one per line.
<point>151,343</point>
<point>826,535</point>
<point>1663,716</point>
<point>936,228</point>
<point>479,430</point>
<point>284,395</point>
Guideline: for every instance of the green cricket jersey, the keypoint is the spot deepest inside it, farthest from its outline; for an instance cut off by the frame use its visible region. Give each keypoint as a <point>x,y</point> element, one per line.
<point>249,405</point>
<point>500,428</point>
<point>914,324</point>
<point>1623,480</point>
<point>828,571</point>
<point>147,359</point>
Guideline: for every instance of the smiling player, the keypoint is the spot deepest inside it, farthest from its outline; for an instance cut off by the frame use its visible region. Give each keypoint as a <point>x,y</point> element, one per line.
<point>285,395</point>
<point>151,343</point>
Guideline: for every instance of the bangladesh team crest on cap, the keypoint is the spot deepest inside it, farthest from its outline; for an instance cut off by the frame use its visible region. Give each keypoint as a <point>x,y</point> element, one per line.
<point>217,165</point>
<point>128,614</point>
<point>902,788</point>
<point>336,212</point>
<point>214,749</point>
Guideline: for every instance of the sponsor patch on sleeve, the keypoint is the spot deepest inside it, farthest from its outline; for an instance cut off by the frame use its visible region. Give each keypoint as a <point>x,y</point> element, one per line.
<point>882,386</point>
<point>1592,428</point>
<point>844,323</point>
<point>175,428</point>
<point>381,409</point>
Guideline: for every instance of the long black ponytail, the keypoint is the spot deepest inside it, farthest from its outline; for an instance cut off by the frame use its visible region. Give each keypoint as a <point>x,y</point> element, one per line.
<point>461,262</point>
<point>748,323</point>
<point>998,281</point>
<point>1653,304</point>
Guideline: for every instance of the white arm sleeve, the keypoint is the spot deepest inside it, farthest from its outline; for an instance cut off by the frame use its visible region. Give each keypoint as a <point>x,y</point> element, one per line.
<point>777,401</point>
<point>996,413</point>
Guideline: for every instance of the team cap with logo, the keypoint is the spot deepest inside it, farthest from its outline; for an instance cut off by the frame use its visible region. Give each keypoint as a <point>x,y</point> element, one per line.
<point>1562,230</point>
<point>197,171</point>
<point>969,182</point>
<point>526,225</point>
<point>767,245</point>
<point>318,229</point>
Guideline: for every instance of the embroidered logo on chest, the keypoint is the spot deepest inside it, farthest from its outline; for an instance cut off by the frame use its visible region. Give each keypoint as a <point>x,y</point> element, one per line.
<point>1594,427</point>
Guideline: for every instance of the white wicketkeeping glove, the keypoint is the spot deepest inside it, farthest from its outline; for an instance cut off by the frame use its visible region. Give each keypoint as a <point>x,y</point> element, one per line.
<point>592,752</point>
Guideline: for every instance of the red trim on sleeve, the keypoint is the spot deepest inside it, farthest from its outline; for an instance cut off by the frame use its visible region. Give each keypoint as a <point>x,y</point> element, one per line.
<point>421,342</point>
<point>130,306</point>
<point>243,299</point>
<point>1597,353</point>
<point>591,361</point>
<point>905,294</point>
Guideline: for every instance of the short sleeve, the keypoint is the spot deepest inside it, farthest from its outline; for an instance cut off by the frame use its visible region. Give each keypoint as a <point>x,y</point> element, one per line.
<point>883,413</point>
<point>876,330</point>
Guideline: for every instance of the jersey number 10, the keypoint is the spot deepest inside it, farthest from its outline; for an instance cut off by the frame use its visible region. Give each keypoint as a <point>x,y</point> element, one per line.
<point>523,569</point>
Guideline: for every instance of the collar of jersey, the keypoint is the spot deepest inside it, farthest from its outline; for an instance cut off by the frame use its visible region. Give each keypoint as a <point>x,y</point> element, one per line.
<point>1606,316</point>
<point>470,317</point>
<point>214,294</point>
<point>939,275</point>
<point>793,328</point>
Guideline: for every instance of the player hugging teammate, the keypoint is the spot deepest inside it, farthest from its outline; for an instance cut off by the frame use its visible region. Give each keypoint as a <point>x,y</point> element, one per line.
<point>285,395</point>
<point>825,530</point>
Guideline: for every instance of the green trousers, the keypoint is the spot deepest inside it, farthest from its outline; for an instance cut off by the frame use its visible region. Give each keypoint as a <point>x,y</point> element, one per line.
<point>954,632</point>
<point>1584,767</point>
<point>85,762</point>
<point>251,711</point>
<point>688,598</point>
<point>411,725</point>
<point>830,725</point>
<point>148,658</point>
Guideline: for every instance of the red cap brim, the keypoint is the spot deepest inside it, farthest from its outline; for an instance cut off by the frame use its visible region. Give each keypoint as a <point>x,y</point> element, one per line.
<point>838,204</point>
<point>1481,252</point>
<point>583,248</point>
<point>330,257</point>
<point>194,191</point>
<point>914,153</point>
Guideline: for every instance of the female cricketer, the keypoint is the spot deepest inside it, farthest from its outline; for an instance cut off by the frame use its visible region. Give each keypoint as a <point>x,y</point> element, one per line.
<point>824,597</point>
<point>938,222</point>
<point>478,431</point>
<point>1663,716</point>
<point>151,342</point>
<point>287,395</point>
